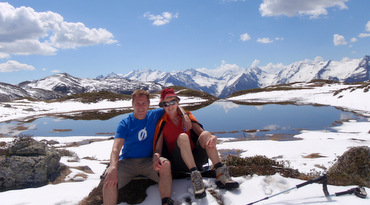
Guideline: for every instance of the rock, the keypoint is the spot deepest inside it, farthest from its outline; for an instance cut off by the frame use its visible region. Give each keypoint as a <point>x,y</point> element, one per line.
<point>133,193</point>
<point>352,168</point>
<point>26,163</point>
<point>29,110</point>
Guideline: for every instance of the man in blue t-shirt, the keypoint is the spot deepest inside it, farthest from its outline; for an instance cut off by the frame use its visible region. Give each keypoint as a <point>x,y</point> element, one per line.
<point>134,136</point>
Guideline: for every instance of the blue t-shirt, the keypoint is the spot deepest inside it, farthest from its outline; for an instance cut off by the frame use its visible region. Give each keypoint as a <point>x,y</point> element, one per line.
<point>138,134</point>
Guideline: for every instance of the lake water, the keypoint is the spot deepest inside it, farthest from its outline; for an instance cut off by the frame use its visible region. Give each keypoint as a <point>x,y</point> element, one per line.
<point>224,118</point>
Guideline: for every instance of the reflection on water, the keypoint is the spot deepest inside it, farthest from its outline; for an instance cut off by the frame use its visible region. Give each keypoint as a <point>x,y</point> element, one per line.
<point>272,121</point>
<point>224,118</point>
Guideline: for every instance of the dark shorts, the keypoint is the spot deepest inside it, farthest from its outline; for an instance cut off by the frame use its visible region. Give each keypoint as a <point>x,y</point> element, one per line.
<point>178,164</point>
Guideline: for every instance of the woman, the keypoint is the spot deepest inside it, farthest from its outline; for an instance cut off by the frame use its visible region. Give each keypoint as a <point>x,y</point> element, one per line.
<point>187,150</point>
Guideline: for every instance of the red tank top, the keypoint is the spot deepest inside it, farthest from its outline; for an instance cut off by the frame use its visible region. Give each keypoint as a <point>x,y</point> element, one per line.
<point>171,133</point>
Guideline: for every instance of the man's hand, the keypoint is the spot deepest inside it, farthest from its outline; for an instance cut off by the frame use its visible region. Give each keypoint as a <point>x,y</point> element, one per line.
<point>111,178</point>
<point>187,125</point>
<point>157,163</point>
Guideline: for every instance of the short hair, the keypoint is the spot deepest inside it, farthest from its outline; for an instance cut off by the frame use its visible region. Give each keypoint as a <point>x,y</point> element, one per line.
<point>140,93</point>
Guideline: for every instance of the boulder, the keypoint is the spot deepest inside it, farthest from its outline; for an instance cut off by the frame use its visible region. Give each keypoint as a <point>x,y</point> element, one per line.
<point>26,163</point>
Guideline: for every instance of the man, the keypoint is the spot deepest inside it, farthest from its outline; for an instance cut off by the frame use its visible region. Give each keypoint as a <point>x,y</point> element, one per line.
<point>134,136</point>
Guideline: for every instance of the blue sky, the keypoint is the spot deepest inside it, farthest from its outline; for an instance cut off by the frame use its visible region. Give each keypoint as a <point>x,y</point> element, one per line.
<point>39,38</point>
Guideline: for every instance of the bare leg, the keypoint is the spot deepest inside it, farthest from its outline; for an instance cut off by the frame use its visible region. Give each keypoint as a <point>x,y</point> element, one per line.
<point>212,153</point>
<point>183,142</point>
<point>110,194</point>
<point>165,180</point>
<point>185,149</point>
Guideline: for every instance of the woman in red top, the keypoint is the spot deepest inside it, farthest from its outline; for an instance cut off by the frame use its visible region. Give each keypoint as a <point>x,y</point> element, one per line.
<point>185,150</point>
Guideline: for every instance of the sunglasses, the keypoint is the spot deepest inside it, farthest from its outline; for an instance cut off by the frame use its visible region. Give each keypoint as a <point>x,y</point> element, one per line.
<point>172,102</point>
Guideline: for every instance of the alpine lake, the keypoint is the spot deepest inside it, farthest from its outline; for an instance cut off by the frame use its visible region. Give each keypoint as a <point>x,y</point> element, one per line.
<point>223,118</point>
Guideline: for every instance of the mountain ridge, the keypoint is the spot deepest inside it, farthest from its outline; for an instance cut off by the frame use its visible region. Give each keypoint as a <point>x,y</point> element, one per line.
<point>219,82</point>
<point>222,81</point>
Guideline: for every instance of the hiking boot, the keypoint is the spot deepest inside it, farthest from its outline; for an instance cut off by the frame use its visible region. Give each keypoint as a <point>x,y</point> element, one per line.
<point>199,190</point>
<point>223,179</point>
<point>168,201</point>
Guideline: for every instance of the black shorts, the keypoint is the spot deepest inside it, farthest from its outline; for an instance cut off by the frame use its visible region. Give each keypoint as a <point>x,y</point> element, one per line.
<point>199,154</point>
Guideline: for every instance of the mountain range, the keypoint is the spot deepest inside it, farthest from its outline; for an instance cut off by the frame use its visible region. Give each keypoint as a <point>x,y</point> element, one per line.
<point>226,79</point>
<point>220,82</point>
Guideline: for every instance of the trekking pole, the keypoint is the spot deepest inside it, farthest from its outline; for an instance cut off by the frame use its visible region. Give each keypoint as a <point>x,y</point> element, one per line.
<point>318,179</point>
<point>358,191</point>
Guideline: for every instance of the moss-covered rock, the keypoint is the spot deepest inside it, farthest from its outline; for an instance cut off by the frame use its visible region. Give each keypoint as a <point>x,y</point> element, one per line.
<point>26,163</point>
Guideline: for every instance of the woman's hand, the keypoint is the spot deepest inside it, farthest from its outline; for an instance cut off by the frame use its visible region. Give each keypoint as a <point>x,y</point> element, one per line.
<point>212,141</point>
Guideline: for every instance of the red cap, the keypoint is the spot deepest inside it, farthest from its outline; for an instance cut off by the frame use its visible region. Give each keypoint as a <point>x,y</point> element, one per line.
<point>165,93</point>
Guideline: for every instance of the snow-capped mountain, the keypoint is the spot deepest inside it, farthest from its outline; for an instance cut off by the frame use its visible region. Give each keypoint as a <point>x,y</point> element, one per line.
<point>226,79</point>
<point>347,70</point>
<point>220,82</point>
<point>62,84</point>
<point>10,92</point>
<point>67,84</point>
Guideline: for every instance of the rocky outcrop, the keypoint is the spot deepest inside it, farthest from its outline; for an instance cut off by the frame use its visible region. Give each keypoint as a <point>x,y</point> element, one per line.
<point>26,163</point>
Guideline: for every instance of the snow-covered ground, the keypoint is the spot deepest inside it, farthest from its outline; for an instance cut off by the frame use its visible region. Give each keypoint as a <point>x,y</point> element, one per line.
<point>252,188</point>
<point>25,109</point>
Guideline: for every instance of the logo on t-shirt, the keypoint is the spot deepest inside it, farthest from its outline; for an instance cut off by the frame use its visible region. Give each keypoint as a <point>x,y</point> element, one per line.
<point>142,134</point>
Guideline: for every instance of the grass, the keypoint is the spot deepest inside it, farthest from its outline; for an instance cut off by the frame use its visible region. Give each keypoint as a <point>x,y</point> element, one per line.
<point>352,168</point>
<point>61,130</point>
<point>282,87</point>
<point>94,97</point>
<point>186,92</point>
<point>314,156</point>
<point>94,114</point>
<point>260,165</point>
<point>266,89</point>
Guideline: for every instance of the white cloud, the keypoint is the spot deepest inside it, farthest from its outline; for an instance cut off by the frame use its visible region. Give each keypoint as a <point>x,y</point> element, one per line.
<point>318,59</point>
<point>339,40</point>
<point>255,63</point>
<point>346,59</point>
<point>72,35</point>
<point>159,20</point>
<point>245,37</point>
<point>27,32</point>
<point>353,40</point>
<point>232,0</point>
<point>311,8</point>
<point>264,40</point>
<point>11,66</point>
<point>367,29</point>
<point>55,71</point>
<point>273,68</point>
<point>364,35</point>
<point>279,38</point>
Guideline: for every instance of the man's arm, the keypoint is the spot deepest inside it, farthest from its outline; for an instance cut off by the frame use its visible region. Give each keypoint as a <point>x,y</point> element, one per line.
<point>116,149</point>
<point>187,125</point>
<point>111,176</point>
<point>157,164</point>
